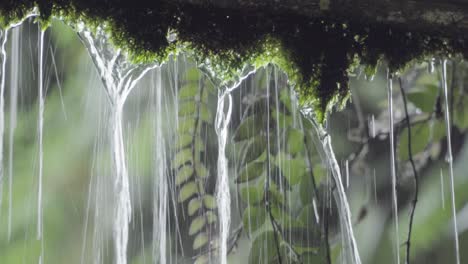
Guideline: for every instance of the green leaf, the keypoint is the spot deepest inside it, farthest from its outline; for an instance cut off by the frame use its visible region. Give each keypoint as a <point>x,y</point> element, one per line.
<point>202,171</point>
<point>255,148</point>
<point>187,191</point>
<point>205,114</point>
<point>203,259</point>
<point>197,225</point>
<point>183,174</point>
<point>252,194</point>
<point>263,249</point>
<point>187,108</point>
<point>460,118</point>
<point>200,240</point>
<point>211,217</point>
<point>285,98</point>
<point>253,218</point>
<point>186,125</point>
<point>424,98</point>
<point>184,140</point>
<point>209,201</point>
<point>250,172</point>
<point>250,126</point>
<point>421,135</point>
<point>188,91</point>
<point>192,76</point>
<point>292,168</point>
<point>295,141</point>
<point>193,206</point>
<point>182,157</point>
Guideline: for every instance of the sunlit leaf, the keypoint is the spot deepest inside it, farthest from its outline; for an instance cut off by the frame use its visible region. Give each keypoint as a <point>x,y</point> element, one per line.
<point>211,217</point>
<point>187,108</point>
<point>188,91</point>
<point>202,171</point>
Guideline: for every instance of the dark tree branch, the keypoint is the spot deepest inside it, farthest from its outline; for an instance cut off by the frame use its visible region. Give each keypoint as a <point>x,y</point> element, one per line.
<point>416,180</point>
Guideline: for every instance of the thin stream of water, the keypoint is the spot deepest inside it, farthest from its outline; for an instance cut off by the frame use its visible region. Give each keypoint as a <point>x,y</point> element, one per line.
<point>392,165</point>
<point>14,66</point>
<point>223,197</point>
<point>450,160</point>
<point>40,130</point>
<point>3,59</point>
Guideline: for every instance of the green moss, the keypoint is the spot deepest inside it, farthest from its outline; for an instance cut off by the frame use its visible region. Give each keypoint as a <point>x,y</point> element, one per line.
<point>316,53</point>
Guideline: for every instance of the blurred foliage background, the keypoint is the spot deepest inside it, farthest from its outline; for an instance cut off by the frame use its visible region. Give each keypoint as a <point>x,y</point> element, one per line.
<point>77,170</point>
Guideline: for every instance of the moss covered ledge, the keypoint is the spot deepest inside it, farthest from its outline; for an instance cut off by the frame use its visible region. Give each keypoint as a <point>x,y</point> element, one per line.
<point>316,51</point>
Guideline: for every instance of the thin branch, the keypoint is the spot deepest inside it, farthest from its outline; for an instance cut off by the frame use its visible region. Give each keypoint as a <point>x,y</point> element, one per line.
<point>416,180</point>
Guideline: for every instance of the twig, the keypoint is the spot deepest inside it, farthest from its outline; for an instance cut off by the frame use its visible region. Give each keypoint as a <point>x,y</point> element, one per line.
<point>416,180</point>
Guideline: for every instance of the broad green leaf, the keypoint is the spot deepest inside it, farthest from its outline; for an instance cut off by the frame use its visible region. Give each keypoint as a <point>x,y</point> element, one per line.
<point>188,91</point>
<point>187,108</point>
<point>285,98</point>
<point>192,76</point>
<point>421,135</point>
<point>183,140</point>
<point>209,201</point>
<point>250,172</point>
<point>202,171</point>
<point>292,168</point>
<point>187,191</point>
<point>205,114</point>
<point>263,249</point>
<point>306,187</point>
<point>295,141</point>
<point>255,148</point>
<point>252,194</point>
<point>250,126</point>
<point>253,218</point>
<point>183,174</point>
<point>186,125</point>
<point>307,216</point>
<point>200,240</point>
<point>197,225</point>
<point>182,157</point>
<point>308,237</point>
<point>425,98</point>
<point>193,206</point>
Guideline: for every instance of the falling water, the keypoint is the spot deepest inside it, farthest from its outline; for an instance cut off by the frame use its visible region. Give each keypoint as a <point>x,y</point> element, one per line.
<point>40,129</point>
<point>3,58</point>
<point>161,184</point>
<point>350,249</point>
<point>392,164</point>
<point>223,196</point>
<point>14,65</point>
<point>119,78</point>
<point>450,159</point>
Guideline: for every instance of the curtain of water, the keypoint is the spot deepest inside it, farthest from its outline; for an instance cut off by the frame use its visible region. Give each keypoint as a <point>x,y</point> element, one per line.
<point>450,159</point>
<point>3,58</point>
<point>14,67</point>
<point>160,184</point>
<point>119,78</point>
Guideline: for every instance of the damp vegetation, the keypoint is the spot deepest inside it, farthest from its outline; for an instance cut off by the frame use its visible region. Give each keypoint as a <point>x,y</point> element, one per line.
<point>317,53</point>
